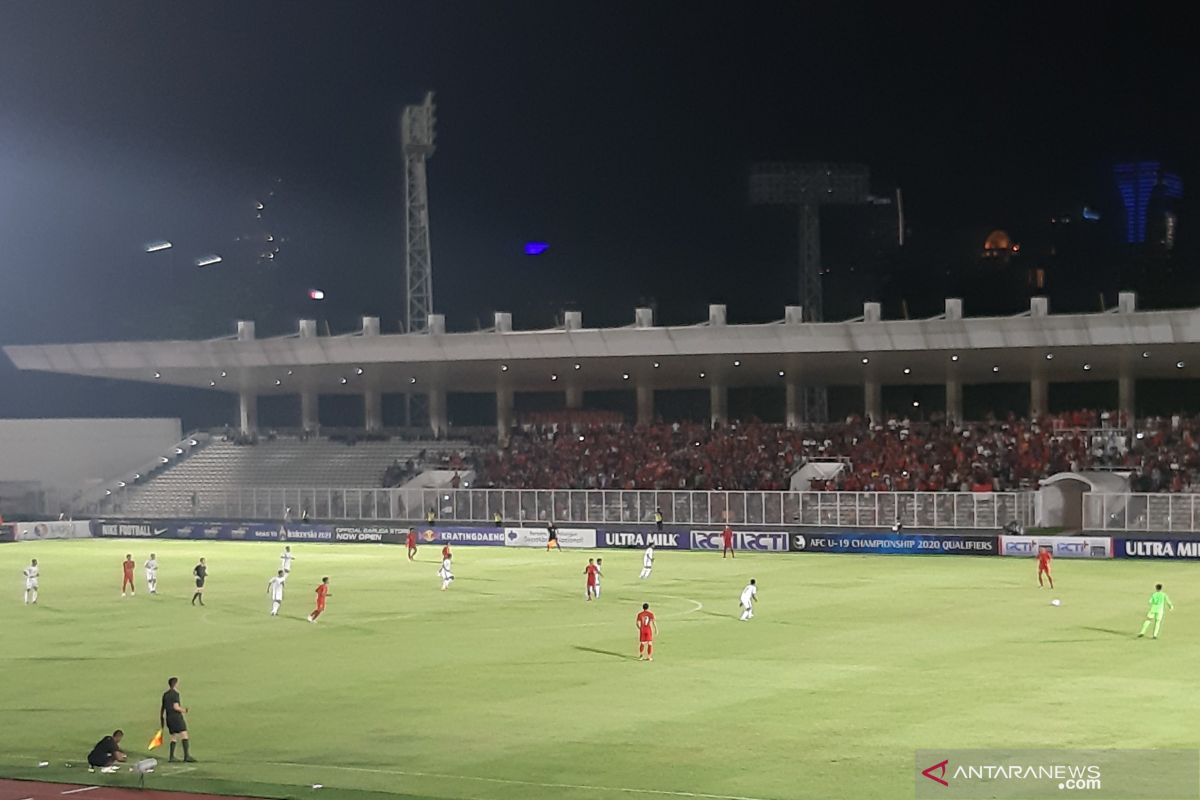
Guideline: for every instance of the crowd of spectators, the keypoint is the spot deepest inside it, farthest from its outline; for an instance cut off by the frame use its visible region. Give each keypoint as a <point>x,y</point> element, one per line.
<point>997,454</point>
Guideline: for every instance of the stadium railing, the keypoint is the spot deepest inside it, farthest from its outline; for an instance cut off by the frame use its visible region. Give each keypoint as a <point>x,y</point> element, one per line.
<point>962,510</point>
<point>1156,512</point>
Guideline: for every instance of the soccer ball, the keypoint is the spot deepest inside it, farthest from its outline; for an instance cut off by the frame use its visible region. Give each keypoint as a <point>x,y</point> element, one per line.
<point>1056,602</point>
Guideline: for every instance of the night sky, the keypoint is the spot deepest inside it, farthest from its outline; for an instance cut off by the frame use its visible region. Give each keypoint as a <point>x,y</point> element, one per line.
<point>619,132</point>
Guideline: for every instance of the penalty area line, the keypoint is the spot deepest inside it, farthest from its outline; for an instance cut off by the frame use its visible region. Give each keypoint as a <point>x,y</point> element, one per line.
<point>515,782</point>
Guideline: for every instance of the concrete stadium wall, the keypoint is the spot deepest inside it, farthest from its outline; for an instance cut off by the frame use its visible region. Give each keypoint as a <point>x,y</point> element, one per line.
<point>64,455</point>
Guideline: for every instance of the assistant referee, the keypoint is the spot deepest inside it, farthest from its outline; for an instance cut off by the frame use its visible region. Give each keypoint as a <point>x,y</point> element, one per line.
<point>171,717</point>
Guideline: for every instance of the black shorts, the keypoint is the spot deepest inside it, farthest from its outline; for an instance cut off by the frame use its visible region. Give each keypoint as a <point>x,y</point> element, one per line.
<point>176,723</point>
<point>199,583</point>
<point>100,760</point>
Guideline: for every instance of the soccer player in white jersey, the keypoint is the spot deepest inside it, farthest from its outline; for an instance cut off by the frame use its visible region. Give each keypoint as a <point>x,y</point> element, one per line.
<point>31,582</point>
<point>285,559</point>
<point>275,591</point>
<point>152,574</point>
<point>749,595</point>
<point>599,575</point>
<point>446,572</point>
<point>647,562</point>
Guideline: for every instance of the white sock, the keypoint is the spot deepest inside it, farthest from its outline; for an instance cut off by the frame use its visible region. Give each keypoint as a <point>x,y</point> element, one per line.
<point>274,608</point>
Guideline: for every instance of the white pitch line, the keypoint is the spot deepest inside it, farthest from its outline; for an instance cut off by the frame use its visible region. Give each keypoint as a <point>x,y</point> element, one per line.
<point>514,782</point>
<point>81,789</point>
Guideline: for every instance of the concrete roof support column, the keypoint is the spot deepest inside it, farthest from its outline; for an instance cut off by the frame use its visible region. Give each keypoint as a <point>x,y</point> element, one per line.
<point>574,394</point>
<point>645,404</point>
<point>1039,396</point>
<point>248,413</point>
<point>373,410</point>
<point>437,412</point>
<point>718,395</point>
<point>504,412</point>
<point>1126,396</point>
<point>954,400</point>
<point>309,420</point>
<point>792,404</point>
<point>873,401</point>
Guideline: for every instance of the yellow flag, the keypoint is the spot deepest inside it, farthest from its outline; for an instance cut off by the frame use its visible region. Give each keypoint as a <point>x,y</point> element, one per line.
<point>156,741</point>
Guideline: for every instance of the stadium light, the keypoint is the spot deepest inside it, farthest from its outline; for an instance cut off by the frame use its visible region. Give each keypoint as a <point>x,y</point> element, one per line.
<point>343,380</point>
<point>1049,356</point>
<point>413,379</point>
<point>554,377</point>
<point>701,375</point>
<point>624,376</point>
<point>224,374</point>
<point>278,382</point>
<point>158,247</point>
<point>212,383</point>
<point>358,370</point>
<point>781,373</point>
<point>995,368</point>
<point>578,366</point>
<point>1178,365</point>
<point>1087,367</point>
<point>866,360</point>
<point>504,367</point>
<point>656,365</point>
<point>907,371</point>
<point>737,363</point>
<point>289,372</point>
<point>208,261</point>
<point>316,294</point>
<point>954,357</point>
<point>192,442</point>
<point>1145,354</point>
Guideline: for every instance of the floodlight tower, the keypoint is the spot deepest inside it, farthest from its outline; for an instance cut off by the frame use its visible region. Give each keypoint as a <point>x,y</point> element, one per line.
<point>807,187</point>
<point>416,136</point>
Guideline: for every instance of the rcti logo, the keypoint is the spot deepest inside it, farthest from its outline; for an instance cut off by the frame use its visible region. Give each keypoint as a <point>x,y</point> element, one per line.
<point>1020,548</point>
<point>1076,548</point>
<point>937,773</point>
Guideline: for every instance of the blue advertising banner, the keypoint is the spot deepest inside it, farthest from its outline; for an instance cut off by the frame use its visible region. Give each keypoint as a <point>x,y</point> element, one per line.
<point>663,540</point>
<point>889,543</point>
<point>763,541</point>
<point>438,535</point>
<point>1176,549</point>
<point>211,530</point>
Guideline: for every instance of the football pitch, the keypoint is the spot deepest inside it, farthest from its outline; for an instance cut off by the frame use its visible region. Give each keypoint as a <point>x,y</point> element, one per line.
<point>509,686</point>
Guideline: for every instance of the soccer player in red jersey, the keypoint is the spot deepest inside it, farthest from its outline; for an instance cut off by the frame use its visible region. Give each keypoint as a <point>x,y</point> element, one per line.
<point>647,627</point>
<point>127,579</point>
<point>322,593</point>
<point>446,551</point>
<point>727,542</point>
<point>1045,556</point>
<point>592,572</point>
<point>411,541</point>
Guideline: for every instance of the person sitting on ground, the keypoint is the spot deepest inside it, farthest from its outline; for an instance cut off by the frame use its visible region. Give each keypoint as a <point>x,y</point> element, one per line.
<point>107,751</point>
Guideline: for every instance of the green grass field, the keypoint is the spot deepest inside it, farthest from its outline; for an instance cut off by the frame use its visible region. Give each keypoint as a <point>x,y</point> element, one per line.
<point>510,687</point>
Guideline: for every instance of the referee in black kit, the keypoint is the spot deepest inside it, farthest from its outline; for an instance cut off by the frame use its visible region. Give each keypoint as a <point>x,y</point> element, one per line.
<point>171,717</point>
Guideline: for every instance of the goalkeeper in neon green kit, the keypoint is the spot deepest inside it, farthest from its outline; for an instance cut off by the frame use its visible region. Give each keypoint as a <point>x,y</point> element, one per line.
<point>1159,603</point>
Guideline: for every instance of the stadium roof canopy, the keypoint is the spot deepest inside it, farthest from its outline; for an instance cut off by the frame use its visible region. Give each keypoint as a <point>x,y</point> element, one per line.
<point>1122,344</point>
<point>979,350</point>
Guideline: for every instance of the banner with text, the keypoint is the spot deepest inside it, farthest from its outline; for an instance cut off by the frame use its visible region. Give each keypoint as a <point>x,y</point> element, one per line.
<point>221,531</point>
<point>54,529</point>
<point>1061,546</point>
<point>1175,549</point>
<point>762,541</point>
<point>483,536</point>
<point>887,543</point>
<point>7,534</point>
<point>537,537</point>
<point>663,540</point>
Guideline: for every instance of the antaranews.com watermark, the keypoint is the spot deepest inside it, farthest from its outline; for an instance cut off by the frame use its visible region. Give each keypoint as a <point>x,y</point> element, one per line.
<point>1051,773</point>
